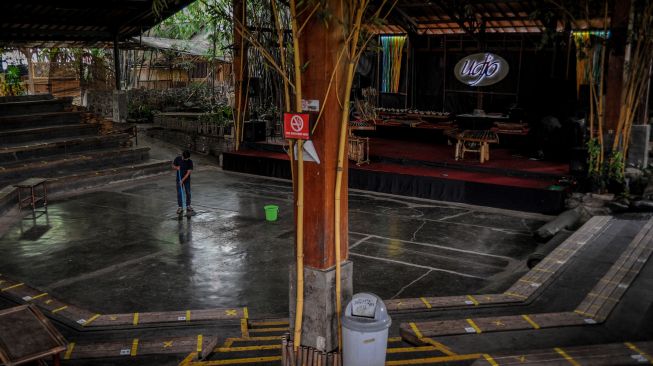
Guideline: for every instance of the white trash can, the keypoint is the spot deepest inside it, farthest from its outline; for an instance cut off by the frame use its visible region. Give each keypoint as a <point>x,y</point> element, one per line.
<point>365,326</point>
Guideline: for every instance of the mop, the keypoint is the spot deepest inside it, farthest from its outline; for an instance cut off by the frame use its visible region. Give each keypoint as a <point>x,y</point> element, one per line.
<point>182,191</point>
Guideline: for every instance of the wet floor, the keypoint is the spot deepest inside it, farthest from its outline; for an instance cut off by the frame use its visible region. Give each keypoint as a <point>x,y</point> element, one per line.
<point>124,249</point>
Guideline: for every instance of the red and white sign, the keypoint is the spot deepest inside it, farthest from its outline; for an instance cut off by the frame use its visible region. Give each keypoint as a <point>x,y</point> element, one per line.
<point>296,126</point>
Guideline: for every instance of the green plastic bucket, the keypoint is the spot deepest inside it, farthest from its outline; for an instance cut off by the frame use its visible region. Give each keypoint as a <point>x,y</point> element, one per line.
<point>271,212</point>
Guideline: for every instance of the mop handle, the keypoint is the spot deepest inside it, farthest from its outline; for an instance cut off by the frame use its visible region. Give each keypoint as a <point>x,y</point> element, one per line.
<point>181,189</point>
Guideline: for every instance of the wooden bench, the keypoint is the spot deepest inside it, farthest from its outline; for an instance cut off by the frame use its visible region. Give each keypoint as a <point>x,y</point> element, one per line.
<point>31,185</point>
<point>475,141</point>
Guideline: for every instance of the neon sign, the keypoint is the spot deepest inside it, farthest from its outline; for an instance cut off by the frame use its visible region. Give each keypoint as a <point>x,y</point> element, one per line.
<point>481,69</point>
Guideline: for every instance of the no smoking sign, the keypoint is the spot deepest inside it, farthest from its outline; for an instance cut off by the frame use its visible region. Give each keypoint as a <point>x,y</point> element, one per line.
<point>296,126</point>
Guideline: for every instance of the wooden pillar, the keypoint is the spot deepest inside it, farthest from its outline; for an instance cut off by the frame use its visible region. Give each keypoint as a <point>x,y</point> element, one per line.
<point>617,53</point>
<point>320,45</point>
<point>240,65</point>
<point>116,62</point>
<point>319,48</point>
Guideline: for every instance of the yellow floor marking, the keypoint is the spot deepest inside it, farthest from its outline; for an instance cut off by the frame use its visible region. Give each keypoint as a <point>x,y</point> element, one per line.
<point>584,313</point>
<point>602,297</point>
<point>69,351</point>
<point>268,330</point>
<point>11,287</point>
<point>254,339</point>
<point>516,295</point>
<point>91,319</point>
<point>187,315</point>
<point>188,359</point>
<point>412,349</point>
<point>531,322</point>
<point>200,341</point>
<point>135,321</point>
<point>239,361</point>
<point>498,323</point>
<point>428,305</point>
<point>394,339</point>
<point>441,347</point>
<point>249,348</point>
<point>430,360</point>
<point>134,349</point>
<point>226,344</point>
<point>269,323</point>
<point>473,325</point>
<point>641,353</point>
<point>48,301</point>
<point>418,334</point>
<point>243,328</point>
<point>245,313</point>
<point>542,270</point>
<point>40,296</point>
<point>564,354</point>
<point>490,360</point>
<point>167,344</point>
<point>231,312</point>
<point>472,299</point>
<point>59,309</point>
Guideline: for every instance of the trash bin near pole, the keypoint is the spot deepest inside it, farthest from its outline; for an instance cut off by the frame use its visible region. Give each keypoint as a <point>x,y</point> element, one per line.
<point>365,326</point>
<point>271,212</point>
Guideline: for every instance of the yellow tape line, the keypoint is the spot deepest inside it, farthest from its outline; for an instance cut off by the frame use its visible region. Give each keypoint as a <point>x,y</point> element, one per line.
<point>200,342</point>
<point>40,296</point>
<point>89,321</point>
<point>641,353</point>
<point>187,315</point>
<point>516,295</point>
<point>564,354</point>
<point>439,346</point>
<point>135,321</point>
<point>428,305</point>
<point>10,287</point>
<point>239,361</point>
<point>186,361</point>
<point>59,309</point>
<point>490,360</point>
<point>69,351</point>
<point>473,325</point>
<point>245,313</point>
<point>269,323</point>
<point>134,349</point>
<point>584,313</point>
<point>244,332</point>
<point>472,299</point>
<point>394,339</point>
<point>431,360</point>
<point>267,330</point>
<point>531,321</point>
<point>249,348</point>
<point>418,334</point>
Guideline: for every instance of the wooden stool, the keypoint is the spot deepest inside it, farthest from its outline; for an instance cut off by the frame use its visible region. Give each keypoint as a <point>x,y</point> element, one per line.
<point>31,184</point>
<point>481,138</point>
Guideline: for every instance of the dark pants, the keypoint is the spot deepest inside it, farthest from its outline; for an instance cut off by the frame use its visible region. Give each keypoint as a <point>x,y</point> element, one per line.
<point>187,190</point>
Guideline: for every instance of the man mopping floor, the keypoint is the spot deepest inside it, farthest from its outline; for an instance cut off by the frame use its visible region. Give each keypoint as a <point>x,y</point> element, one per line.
<point>184,167</point>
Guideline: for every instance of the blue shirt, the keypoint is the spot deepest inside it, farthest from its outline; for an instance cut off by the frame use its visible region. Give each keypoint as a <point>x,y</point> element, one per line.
<point>184,166</point>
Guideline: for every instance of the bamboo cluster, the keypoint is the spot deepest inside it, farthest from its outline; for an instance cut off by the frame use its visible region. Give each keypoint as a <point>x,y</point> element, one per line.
<point>636,75</point>
<point>306,356</point>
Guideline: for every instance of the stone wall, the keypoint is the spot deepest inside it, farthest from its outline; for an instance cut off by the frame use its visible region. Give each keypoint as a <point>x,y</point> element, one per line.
<point>197,98</point>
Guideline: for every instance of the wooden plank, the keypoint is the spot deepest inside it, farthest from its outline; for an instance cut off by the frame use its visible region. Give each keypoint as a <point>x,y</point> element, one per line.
<point>140,347</point>
<point>595,355</point>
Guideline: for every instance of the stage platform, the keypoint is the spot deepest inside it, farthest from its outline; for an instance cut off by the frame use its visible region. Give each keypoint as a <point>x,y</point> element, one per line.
<point>429,170</point>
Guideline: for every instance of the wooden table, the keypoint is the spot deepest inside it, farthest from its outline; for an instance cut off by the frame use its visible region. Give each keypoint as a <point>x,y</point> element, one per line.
<point>26,335</point>
<point>32,184</point>
<point>475,141</point>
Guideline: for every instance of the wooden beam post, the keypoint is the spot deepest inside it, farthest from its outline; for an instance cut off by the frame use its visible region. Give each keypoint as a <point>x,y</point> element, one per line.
<point>617,54</point>
<point>116,62</point>
<point>320,46</point>
<point>240,68</point>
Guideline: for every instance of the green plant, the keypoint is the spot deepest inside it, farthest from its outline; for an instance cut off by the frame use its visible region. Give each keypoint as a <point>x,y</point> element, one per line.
<point>10,83</point>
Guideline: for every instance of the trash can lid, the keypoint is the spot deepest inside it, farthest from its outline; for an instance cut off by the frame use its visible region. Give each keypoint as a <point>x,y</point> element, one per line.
<point>366,313</point>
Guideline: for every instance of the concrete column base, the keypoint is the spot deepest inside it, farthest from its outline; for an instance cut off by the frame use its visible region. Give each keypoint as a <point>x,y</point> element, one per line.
<point>639,145</point>
<point>119,106</point>
<point>320,326</point>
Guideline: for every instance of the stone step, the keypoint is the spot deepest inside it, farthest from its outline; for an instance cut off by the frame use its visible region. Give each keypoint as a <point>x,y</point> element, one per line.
<point>35,106</point>
<point>67,164</point>
<point>8,194</point>
<point>25,98</point>
<point>39,120</point>
<point>60,146</point>
<point>16,137</point>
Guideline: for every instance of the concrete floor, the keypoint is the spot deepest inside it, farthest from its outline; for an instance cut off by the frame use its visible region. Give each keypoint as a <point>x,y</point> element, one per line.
<point>122,248</point>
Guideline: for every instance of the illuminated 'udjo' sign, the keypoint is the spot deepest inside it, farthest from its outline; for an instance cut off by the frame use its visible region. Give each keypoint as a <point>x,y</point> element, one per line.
<point>481,69</point>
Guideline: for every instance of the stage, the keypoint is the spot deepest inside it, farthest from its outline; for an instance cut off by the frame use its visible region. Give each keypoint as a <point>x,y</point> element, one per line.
<point>429,170</point>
